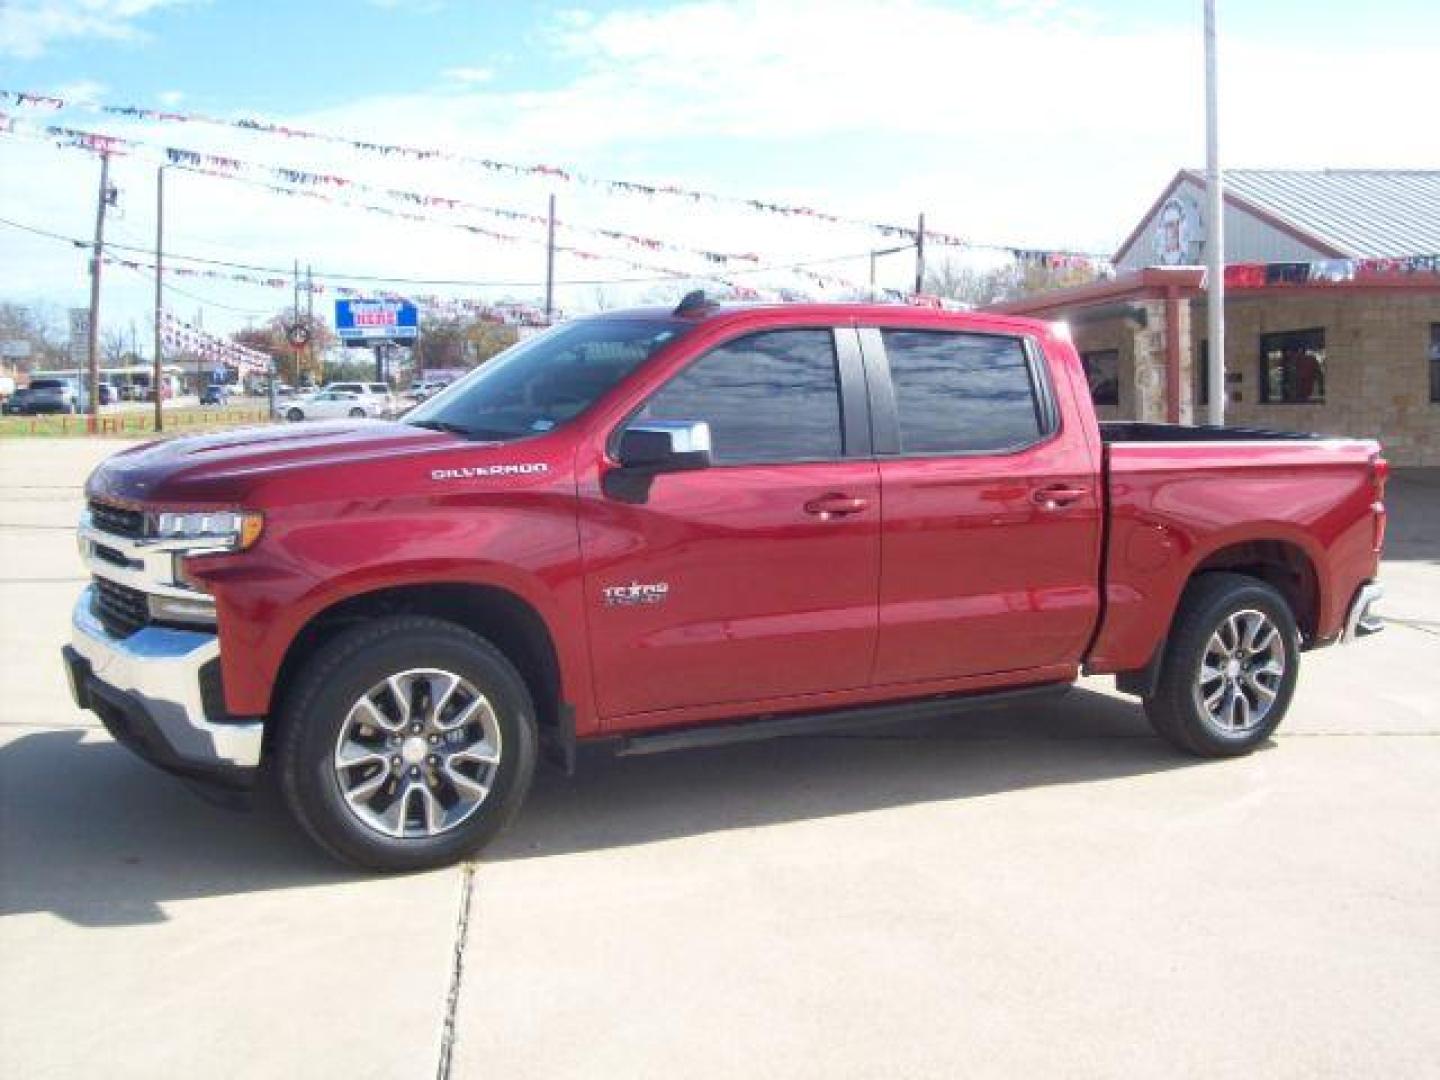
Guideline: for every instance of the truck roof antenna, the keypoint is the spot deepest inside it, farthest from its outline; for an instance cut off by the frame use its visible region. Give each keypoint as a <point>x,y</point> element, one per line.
<point>694,302</point>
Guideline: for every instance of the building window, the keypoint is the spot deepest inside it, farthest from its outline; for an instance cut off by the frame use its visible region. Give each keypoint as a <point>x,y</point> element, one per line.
<point>1292,366</point>
<point>1102,372</point>
<point>1435,362</point>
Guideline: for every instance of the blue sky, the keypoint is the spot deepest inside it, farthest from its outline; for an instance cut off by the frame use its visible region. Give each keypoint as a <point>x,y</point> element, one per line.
<point>1026,122</point>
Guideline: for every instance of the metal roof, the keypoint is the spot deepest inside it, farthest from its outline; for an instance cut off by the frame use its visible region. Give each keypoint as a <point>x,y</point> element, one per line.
<point>1360,212</point>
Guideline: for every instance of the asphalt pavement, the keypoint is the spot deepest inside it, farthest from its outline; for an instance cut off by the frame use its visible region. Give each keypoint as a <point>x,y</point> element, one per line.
<point>1030,891</point>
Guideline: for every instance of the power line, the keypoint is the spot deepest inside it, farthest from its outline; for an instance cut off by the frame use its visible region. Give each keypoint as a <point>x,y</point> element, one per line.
<point>169,288</point>
<point>458,282</point>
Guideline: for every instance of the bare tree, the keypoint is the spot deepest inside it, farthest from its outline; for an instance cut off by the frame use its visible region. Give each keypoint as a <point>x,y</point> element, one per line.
<point>39,327</point>
<point>1023,277</point>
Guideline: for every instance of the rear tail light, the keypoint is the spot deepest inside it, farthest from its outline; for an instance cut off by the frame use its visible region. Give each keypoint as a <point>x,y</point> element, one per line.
<point>1379,473</point>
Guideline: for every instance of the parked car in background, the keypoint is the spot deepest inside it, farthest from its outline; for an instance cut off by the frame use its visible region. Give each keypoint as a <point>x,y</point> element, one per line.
<point>15,403</point>
<point>386,401</point>
<point>426,388</point>
<point>52,396</point>
<point>215,394</point>
<point>657,529</point>
<point>330,404</point>
<point>109,393</point>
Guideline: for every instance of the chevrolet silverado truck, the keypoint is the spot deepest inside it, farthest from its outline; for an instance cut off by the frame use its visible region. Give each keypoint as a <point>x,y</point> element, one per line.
<point>658,529</point>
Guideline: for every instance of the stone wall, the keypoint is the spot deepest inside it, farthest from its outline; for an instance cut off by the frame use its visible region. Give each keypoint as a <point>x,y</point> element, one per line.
<point>1377,376</point>
<point>1140,341</point>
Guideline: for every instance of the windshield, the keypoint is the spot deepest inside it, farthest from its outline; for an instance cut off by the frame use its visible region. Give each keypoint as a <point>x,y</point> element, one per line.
<point>539,384</point>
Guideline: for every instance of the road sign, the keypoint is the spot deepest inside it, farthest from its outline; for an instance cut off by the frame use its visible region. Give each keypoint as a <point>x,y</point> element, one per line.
<point>366,322</point>
<point>79,333</point>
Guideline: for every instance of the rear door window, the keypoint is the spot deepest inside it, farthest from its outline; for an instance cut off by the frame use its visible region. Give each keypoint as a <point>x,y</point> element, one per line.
<point>962,393</point>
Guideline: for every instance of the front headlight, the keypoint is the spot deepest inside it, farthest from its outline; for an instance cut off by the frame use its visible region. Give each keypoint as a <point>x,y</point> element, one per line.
<point>232,529</point>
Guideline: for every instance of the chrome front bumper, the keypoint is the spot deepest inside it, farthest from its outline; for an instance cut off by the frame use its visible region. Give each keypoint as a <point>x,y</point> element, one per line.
<point>1362,618</point>
<point>150,690</point>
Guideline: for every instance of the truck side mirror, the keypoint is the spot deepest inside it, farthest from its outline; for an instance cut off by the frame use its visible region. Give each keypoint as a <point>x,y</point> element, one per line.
<point>666,446</point>
<point>653,447</point>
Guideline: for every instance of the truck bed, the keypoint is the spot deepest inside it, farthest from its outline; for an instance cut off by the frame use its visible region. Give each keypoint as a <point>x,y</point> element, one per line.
<point>1181,497</point>
<point>1132,431</point>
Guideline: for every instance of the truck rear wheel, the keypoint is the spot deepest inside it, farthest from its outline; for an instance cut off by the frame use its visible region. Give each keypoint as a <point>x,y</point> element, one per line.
<point>406,743</point>
<point>1229,668</point>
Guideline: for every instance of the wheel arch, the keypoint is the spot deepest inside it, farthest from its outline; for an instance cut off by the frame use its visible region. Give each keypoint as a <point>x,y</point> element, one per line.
<point>1281,563</point>
<point>1285,563</point>
<point>504,618</point>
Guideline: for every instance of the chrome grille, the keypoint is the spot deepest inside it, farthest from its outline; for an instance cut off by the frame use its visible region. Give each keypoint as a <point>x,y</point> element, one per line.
<point>117,519</point>
<point>120,609</point>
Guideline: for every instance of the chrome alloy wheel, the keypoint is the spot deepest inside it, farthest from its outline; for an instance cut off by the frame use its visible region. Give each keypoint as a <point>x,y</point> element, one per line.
<point>418,753</point>
<point>1241,673</point>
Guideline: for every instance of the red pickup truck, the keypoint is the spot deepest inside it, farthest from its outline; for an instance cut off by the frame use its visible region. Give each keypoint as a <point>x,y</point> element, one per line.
<point>668,528</point>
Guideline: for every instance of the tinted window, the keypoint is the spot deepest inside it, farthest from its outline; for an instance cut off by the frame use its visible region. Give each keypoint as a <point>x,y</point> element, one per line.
<point>767,397</point>
<point>542,382</point>
<point>961,393</point>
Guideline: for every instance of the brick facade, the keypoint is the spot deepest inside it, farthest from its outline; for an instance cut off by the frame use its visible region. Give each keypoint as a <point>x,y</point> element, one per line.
<point>1377,374</point>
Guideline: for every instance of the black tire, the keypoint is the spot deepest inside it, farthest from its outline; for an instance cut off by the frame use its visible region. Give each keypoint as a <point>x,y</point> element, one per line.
<point>1175,710</point>
<point>357,414</point>
<point>294,416</point>
<point>320,699</point>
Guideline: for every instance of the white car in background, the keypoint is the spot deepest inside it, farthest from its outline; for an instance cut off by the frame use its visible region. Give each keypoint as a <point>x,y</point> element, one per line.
<point>379,391</point>
<point>330,404</point>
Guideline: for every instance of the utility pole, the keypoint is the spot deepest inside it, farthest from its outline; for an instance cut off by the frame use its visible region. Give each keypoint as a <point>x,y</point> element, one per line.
<point>295,321</point>
<point>92,344</point>
<point>1214,231</point>
<point>310,319</point>
<point>159,370</point>
<point>920,257</point>
<point>550,264</point>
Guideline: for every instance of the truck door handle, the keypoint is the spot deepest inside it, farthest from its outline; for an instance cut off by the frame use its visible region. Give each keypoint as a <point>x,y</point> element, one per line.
<point>1058,495</point>
<point>828,506</point>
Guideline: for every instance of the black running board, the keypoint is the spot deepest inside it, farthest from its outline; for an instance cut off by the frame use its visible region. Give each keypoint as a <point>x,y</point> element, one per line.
<point>825,723</point>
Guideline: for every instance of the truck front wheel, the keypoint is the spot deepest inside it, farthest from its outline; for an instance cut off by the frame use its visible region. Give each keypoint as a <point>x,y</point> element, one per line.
<point>1229,667</point>
<point>406,743</point>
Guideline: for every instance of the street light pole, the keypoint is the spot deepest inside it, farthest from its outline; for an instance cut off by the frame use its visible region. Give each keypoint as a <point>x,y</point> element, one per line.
<point>1214,232</point>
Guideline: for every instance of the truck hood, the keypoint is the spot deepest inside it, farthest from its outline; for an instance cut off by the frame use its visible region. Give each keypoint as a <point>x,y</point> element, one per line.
<point>222,467</point>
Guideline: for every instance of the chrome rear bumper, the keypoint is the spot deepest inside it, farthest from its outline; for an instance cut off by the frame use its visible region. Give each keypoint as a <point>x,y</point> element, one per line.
<point>150,690</point>
<point>1362,618</point>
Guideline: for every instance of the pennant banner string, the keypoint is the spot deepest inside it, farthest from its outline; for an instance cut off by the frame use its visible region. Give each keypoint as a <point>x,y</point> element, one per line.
<point>217,164</point>
<point>548,172</point>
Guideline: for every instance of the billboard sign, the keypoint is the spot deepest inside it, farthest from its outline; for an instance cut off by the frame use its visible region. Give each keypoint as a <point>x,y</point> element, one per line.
<point>365,322</point>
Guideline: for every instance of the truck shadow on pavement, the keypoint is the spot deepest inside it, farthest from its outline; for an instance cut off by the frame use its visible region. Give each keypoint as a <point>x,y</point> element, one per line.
<point>97,838</point>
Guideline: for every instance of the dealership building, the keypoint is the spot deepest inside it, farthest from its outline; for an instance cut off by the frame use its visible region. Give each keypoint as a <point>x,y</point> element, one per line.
<point>1332,308</point>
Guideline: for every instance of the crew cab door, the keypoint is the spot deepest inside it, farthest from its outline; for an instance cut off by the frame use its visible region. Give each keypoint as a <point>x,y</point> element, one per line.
<point>754,578</point>
<point>992,524</point>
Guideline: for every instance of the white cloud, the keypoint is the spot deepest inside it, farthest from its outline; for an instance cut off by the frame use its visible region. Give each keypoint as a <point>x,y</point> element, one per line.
<point>29,27</point>
<point>469,76</point>
<point>170,98</point>
<point>84,92</point>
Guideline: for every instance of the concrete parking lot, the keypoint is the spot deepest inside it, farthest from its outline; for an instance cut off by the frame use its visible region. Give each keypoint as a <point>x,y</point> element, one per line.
<point>1038,891</point>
